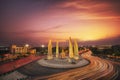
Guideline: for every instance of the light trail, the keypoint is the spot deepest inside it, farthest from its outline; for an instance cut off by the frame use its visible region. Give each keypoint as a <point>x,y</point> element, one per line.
<point>98,69</point>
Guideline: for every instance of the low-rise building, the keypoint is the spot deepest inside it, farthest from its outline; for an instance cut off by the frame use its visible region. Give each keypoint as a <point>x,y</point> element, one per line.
<point>19,49</point>
<point>101,47</point>
<point>22,49</point>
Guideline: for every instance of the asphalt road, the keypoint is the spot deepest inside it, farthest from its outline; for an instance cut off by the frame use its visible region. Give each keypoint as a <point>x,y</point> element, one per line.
<point>36,70</point>
<point>98,69</point>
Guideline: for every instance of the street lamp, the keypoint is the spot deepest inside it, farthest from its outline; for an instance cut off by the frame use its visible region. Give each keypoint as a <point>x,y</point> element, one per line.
<point>27,48</point>
<point>42,46</point>
<point>26,45</point>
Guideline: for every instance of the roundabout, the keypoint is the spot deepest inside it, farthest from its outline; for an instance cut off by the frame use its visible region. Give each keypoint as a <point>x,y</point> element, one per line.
<point>61,59</point>
<point>62,63</point>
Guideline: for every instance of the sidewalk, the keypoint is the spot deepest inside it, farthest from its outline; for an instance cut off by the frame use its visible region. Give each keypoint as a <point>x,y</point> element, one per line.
<point>18,63</point>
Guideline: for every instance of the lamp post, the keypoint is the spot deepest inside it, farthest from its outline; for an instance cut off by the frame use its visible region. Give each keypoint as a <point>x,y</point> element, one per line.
<point>27,46</point>
<point>43,46</point>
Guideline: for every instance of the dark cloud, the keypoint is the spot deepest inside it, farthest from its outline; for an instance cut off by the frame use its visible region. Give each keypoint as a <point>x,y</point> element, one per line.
<point>25,36</point>
<point>36,41</point>
<point>106,7</point>
<point>16,33</point>
<point>106,41</point>
<point>114,5</point>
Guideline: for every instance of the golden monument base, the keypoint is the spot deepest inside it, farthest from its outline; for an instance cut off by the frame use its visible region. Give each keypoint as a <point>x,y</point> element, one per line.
<point>76,57</point>
<point>50,57</point>
<point>57,56</point>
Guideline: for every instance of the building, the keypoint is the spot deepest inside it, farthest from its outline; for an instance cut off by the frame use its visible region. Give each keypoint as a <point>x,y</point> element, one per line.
<point>22,49</point>
<point>32,51</point>
<point>19,49</point>
<point>101,47</point>
<point>4,49</point>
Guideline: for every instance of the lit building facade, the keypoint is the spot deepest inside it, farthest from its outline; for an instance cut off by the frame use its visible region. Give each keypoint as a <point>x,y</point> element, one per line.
<point>22,49</point>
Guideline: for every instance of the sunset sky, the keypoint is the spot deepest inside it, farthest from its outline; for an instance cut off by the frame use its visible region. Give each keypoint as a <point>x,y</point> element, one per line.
<point>36,21</point>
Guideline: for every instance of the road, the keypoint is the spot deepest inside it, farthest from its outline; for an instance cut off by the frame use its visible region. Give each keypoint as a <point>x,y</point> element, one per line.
<point>98,69</point>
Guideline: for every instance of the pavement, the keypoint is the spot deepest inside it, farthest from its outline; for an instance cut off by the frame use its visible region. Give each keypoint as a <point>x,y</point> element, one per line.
<point>7,67</point>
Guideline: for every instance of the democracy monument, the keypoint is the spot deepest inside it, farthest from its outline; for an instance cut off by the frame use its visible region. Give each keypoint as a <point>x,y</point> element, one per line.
<point>62,60</point>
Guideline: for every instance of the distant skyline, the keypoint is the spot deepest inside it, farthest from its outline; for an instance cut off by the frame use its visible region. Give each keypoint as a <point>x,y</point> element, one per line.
<point>91,22</point>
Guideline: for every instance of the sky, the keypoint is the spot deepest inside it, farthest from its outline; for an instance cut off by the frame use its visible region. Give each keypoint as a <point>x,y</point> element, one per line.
<point>37,21</point>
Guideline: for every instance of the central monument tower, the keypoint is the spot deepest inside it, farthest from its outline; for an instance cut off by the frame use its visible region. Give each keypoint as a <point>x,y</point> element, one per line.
<point>57,49</point>
<point>71,55</point>
<point>50,55</point>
